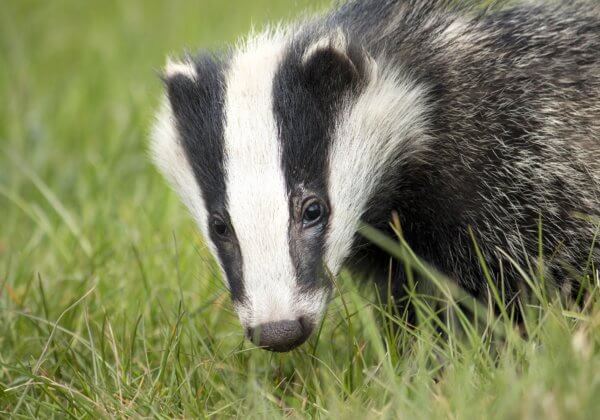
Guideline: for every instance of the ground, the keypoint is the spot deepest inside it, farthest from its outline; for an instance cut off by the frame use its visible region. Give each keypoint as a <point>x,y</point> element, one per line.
<point>111,306</point>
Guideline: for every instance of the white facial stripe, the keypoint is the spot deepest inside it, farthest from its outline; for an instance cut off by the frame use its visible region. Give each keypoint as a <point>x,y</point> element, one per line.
<point>256,191</point>
<point>384,123</point>
<point>168,155</point>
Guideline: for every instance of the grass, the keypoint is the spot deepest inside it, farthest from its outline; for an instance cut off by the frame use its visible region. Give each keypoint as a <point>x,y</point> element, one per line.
<point>110,305</point>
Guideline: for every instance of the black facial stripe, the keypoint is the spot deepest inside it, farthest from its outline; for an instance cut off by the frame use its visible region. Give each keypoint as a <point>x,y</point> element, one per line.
<point>303,122</point>
<point>305,115</point>
<point>306,245</point>
<point>198,108</point>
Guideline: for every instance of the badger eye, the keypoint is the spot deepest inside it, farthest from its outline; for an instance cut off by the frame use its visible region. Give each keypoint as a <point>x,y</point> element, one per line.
<point>219,227</point>
<point>312,212</point>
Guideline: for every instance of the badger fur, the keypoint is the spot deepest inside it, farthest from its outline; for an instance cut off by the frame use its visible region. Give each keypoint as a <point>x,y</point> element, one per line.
<point>466,123</point>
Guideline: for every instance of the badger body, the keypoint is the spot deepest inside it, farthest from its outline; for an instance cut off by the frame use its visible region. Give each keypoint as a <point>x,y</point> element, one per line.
<point>469,125</point>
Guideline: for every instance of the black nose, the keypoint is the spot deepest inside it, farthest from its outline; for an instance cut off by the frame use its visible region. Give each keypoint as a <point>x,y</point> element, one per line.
<point>281,335</point>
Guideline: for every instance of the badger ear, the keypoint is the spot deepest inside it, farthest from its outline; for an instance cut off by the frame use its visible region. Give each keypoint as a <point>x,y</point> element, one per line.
<point>192,86</point>
<point>181,85</point>
<point>332,64</point>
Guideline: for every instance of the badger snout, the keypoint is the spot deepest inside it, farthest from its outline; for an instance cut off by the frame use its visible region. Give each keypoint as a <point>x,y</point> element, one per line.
<point>281,336</point>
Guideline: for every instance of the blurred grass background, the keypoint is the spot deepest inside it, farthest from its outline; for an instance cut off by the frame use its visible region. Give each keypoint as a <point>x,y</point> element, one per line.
<point>109,303</point>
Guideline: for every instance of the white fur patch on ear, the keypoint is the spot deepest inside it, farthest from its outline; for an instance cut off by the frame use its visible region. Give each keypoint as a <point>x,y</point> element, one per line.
<point>336,40</point>
<point>184,68</point>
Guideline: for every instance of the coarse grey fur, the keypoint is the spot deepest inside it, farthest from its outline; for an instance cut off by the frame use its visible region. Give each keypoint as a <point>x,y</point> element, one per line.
<point>514,134</point>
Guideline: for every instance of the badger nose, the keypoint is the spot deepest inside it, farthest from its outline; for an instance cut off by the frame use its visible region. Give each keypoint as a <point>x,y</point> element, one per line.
<point>280,336</point>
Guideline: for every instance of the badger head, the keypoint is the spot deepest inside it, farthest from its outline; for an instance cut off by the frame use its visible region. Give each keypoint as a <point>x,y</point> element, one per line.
<point>277,149</point>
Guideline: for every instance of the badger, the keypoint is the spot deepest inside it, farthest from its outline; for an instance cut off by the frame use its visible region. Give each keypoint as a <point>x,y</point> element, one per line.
<point>477,128</point>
